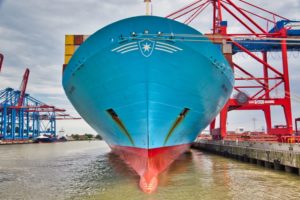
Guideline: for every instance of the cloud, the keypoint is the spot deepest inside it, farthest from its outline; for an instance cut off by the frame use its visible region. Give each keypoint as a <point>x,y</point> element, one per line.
<point>32,35</point>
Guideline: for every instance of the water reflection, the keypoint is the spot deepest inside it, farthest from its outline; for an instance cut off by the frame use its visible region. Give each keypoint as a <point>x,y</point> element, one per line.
<point>178,166</point>
<point>184,179</point>
<point>201,176</point>
<point>87,171</point>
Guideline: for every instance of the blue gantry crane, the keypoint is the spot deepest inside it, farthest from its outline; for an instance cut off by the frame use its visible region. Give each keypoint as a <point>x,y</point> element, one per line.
<point>290,29</point>
<point>23,117</point>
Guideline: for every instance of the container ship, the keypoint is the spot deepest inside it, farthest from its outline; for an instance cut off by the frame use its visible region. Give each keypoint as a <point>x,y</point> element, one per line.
<point>148,90</point>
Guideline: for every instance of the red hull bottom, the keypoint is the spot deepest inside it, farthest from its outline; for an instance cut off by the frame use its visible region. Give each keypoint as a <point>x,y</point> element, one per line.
<point>149,163</point>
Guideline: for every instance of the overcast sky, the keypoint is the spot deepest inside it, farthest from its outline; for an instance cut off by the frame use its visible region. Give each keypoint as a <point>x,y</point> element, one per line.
<point>32,35</point>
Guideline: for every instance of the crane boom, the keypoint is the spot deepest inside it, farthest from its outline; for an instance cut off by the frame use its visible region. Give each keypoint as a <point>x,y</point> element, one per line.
<point>23,87</point>
<point>1,61</point>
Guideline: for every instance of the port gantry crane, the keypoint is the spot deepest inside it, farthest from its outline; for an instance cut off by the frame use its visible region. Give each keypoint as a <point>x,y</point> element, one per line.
<point>23,117</point>
<point>252,91</point>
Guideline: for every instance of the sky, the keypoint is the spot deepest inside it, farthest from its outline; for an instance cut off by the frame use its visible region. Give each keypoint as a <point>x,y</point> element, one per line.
<point>32,35</point>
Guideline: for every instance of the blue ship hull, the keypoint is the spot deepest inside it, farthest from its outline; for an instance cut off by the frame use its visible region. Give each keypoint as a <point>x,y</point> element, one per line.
<point>140,86</point>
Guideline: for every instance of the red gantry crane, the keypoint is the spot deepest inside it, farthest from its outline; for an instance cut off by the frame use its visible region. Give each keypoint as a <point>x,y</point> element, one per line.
<point>260,33</point>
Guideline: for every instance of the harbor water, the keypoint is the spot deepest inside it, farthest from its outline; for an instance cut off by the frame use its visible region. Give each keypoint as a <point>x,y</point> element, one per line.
<point>87,170</point>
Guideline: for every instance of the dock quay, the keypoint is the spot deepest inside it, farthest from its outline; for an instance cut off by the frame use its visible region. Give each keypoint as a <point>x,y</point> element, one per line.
<point>273,155</point>
<point>8,142</point>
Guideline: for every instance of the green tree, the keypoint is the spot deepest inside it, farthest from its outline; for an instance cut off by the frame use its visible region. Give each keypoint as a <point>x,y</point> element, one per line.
<point>98,137</point>
<point>88,136</point>
<point>75,137</point>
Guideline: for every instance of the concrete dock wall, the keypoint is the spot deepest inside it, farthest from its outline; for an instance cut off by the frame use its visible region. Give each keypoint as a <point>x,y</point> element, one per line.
<point>279,156</point>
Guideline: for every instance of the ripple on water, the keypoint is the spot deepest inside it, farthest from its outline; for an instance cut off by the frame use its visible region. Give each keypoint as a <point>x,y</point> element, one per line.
<point>84,171</point>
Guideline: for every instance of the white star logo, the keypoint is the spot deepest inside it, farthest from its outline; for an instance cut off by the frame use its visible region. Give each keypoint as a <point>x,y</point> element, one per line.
<point>146,47</point>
